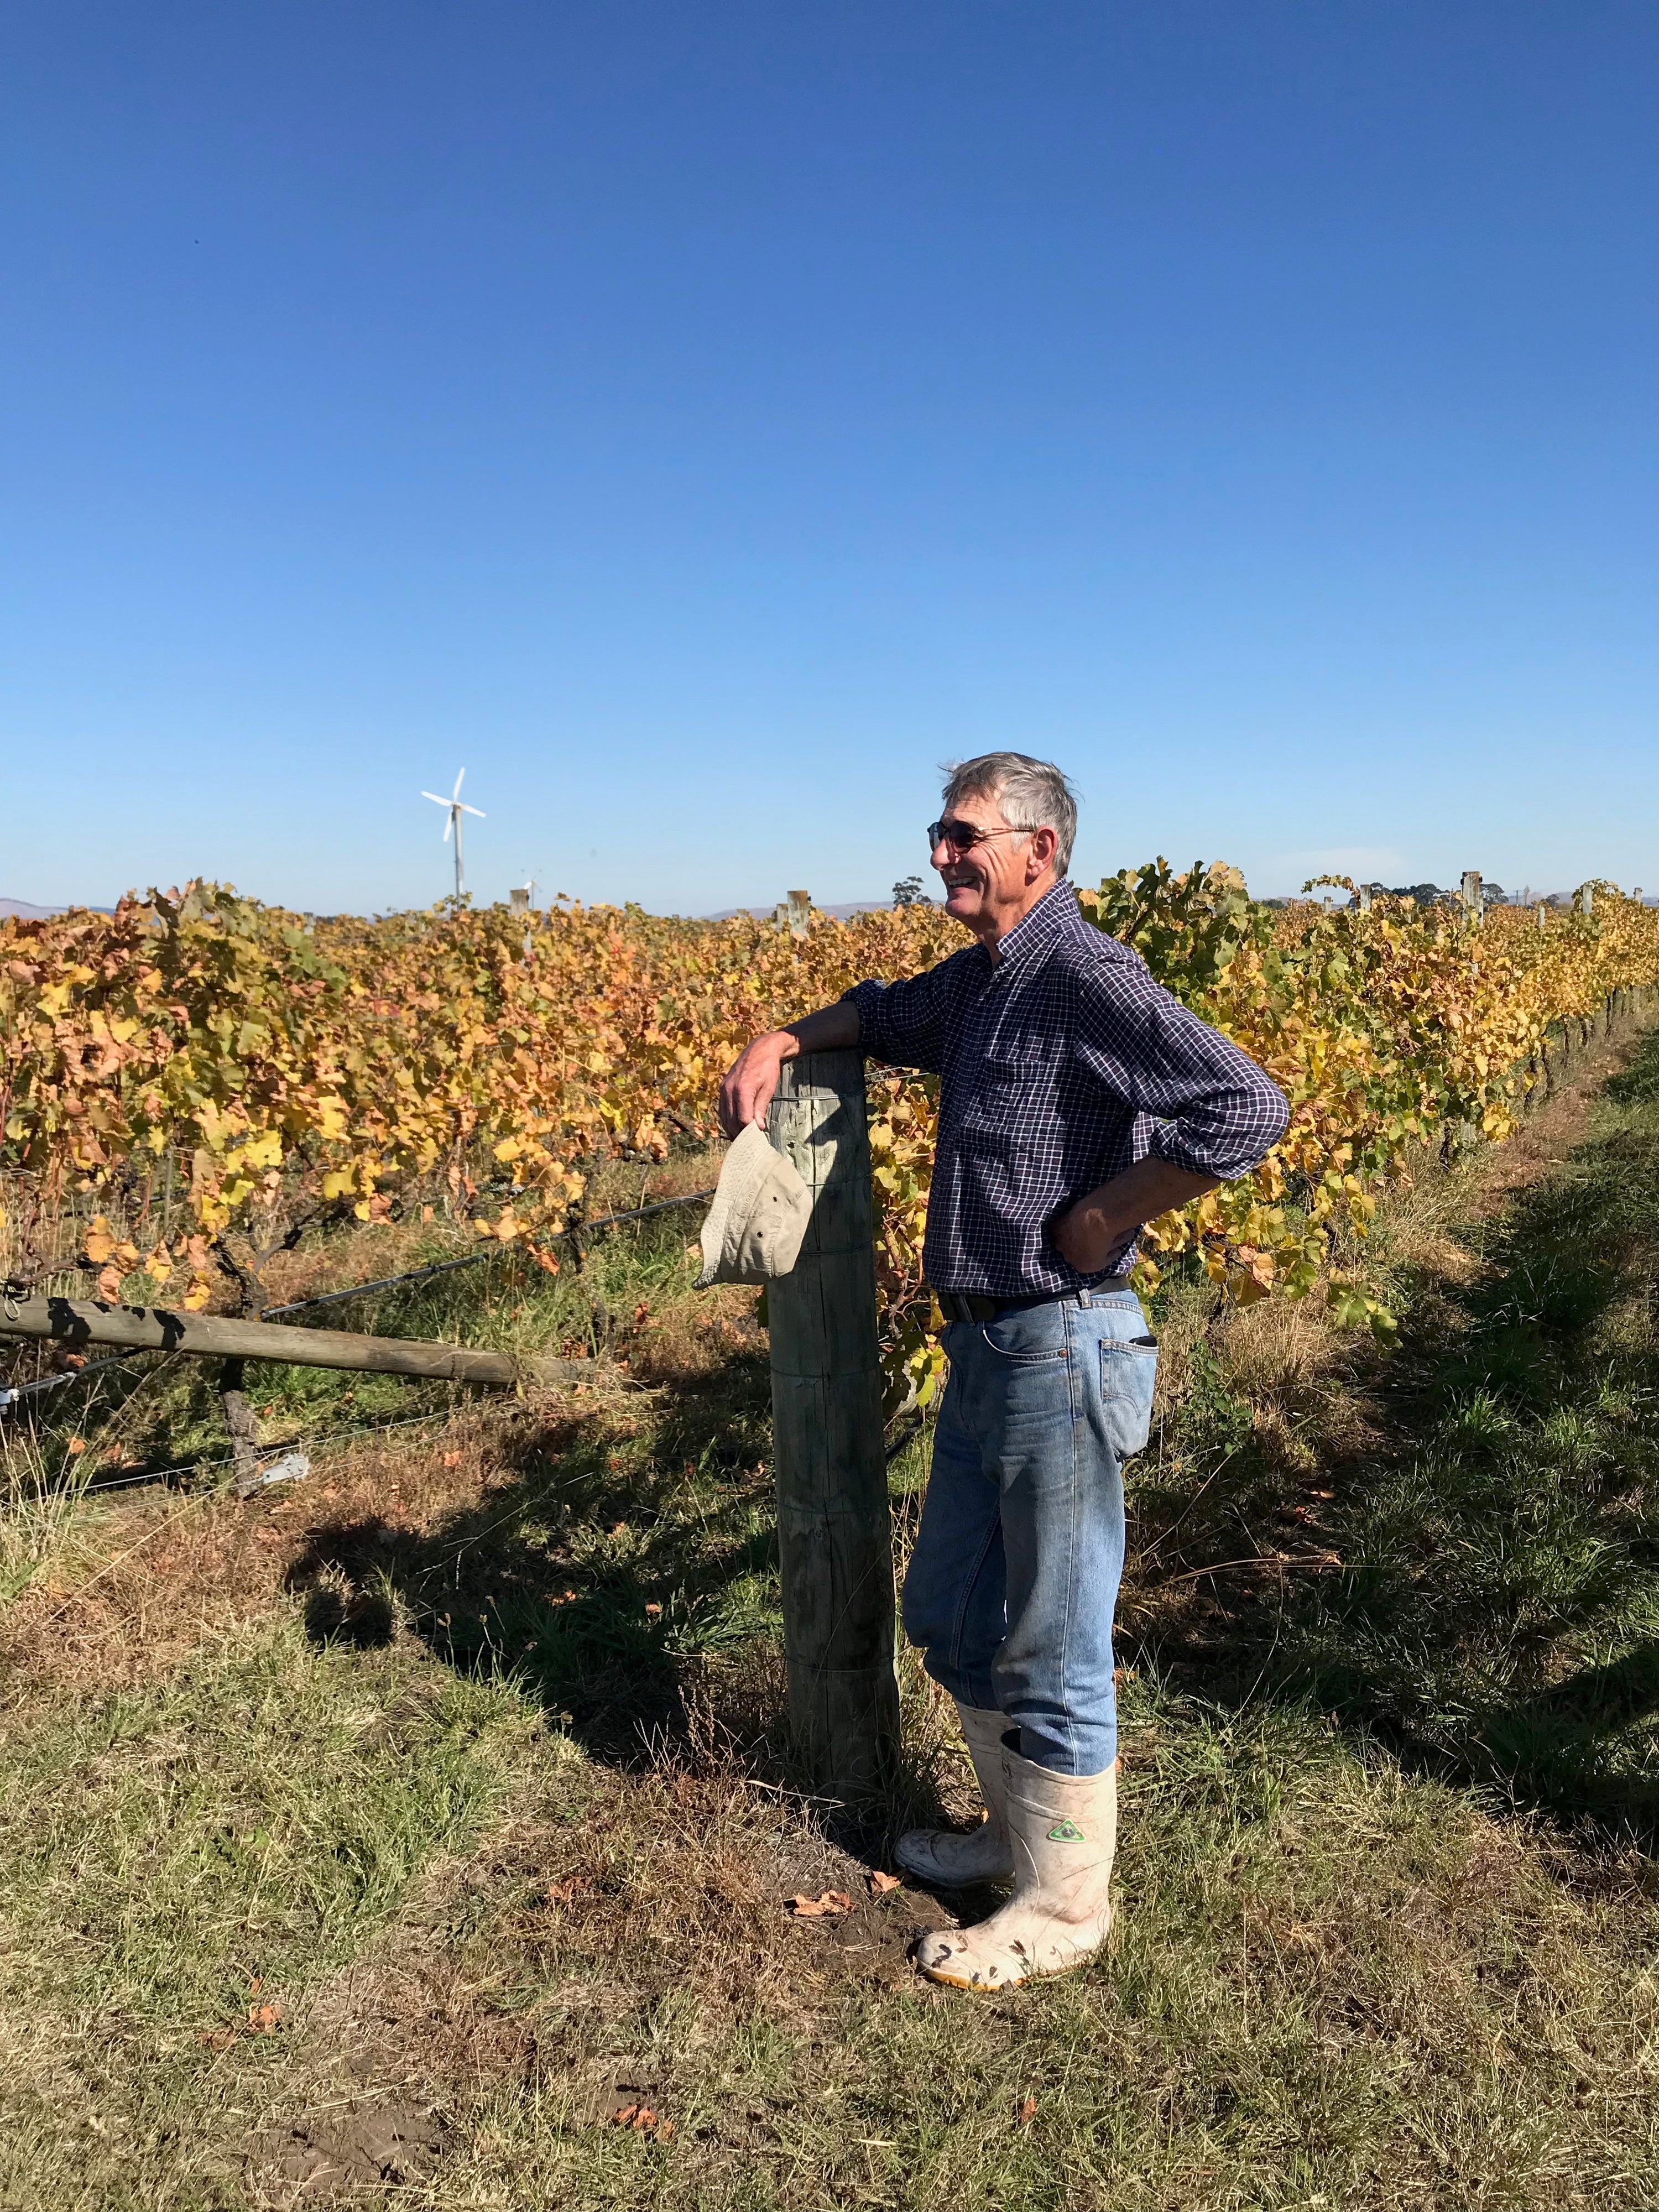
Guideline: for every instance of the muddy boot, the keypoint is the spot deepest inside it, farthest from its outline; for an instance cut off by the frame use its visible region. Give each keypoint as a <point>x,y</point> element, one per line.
<point>949,1860</point>
<point>1063,1830</point>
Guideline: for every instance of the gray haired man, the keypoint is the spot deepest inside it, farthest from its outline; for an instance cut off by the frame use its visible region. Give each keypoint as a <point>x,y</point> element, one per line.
<point>1078,1100</point>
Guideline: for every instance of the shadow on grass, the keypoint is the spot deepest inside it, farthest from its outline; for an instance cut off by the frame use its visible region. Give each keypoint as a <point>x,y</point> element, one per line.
<point>1494,1617</point>
<point>619,1560</point>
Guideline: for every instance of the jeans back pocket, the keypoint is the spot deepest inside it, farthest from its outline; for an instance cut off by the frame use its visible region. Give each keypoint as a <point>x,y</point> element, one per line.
<point>1128,1375</point>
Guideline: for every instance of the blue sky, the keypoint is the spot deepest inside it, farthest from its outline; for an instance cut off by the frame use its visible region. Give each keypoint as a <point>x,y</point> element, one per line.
<point>701,421</point>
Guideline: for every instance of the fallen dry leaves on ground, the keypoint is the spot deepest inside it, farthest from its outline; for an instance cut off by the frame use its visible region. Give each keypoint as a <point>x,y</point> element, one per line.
<point>815,1908</point>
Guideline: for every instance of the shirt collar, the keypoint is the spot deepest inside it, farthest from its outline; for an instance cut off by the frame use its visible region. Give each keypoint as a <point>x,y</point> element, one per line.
<point>1034,933</point>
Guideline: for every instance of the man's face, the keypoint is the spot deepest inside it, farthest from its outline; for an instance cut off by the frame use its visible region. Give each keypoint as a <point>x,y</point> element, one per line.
<point>987,886</point>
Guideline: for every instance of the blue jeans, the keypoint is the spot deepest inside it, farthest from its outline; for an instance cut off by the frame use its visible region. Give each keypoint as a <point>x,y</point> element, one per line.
<point>1013,1581</point>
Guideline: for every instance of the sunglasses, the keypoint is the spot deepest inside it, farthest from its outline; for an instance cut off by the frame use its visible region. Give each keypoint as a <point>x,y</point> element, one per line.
<point>962,836</point>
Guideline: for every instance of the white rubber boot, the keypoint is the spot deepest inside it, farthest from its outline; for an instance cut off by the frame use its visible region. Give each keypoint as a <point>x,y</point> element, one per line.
<point>1063,1830</point>
<point>947,1859</point>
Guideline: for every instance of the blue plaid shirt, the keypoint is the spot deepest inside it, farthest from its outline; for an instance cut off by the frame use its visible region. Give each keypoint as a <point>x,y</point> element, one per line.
<point>1062,1065</point>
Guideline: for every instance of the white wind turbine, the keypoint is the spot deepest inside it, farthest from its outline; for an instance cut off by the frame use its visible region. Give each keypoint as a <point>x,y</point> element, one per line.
<point>455,806</point>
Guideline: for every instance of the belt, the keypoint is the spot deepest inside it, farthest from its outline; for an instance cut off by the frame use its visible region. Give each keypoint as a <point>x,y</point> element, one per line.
<point>973,1306</point>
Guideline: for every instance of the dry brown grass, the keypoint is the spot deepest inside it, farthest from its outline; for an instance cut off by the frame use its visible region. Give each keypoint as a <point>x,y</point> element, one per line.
<point>155,1573</point>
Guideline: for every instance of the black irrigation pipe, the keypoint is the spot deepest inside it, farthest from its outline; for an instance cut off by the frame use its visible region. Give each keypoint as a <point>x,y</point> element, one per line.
<point>576,1230</point>
<point>906,1437</point>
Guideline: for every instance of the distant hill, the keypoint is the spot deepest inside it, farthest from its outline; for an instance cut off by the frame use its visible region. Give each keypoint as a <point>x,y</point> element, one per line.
<point>24,912</point>
<point>841,913</point>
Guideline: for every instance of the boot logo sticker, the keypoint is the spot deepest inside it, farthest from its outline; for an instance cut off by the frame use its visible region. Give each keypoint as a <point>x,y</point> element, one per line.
<point>1066,1831</point>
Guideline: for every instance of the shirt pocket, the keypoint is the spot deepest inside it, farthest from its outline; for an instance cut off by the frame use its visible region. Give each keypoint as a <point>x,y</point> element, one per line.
<point>1004,1096</point>
<point>1128,1377</point>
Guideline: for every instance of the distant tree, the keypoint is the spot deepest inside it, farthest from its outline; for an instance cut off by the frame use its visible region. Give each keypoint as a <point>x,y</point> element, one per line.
<point>908,893</point>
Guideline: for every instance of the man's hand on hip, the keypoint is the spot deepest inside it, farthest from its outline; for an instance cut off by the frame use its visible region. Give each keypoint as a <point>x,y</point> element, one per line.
<point>753,1076</point>
<point>1100,1224</point>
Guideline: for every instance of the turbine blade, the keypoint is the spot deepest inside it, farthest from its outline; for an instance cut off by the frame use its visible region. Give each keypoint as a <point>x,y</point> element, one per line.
<point>433,796</point>
<point>458,783</point>
<point>448,826</point>
<point>465,808</point>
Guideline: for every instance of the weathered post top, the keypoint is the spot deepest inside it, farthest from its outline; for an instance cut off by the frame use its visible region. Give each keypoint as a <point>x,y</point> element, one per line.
<point>835,1541</point>
<point>1471,902</point>
<point>800,912</point>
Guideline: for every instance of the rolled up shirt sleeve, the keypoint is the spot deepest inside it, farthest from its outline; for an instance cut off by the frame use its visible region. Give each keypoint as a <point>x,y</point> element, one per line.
<point>906,1023</point>
<point>1218,1112</point>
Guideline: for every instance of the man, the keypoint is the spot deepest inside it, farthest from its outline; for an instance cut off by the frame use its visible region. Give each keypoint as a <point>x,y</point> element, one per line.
<point>1078,1101</point>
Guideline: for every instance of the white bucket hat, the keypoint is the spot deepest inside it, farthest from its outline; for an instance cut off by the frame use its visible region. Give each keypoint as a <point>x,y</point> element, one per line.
<point>760,1210</point>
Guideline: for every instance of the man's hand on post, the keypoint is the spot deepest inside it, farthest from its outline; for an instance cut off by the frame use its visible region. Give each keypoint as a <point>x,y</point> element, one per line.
<point>753,1075</point>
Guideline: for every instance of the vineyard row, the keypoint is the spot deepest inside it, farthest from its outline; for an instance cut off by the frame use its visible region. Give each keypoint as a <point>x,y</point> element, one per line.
<point>220,1076</point>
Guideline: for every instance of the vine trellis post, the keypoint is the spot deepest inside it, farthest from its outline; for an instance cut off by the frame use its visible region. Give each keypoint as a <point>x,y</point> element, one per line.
<point>834,1529</point>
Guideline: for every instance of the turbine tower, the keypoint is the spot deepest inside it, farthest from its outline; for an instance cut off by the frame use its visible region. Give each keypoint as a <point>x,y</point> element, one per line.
<point>455,806</point>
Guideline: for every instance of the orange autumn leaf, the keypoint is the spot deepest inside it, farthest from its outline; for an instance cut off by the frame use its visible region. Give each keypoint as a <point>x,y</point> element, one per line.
<point>643,2120</point>
<point>827,1901</point>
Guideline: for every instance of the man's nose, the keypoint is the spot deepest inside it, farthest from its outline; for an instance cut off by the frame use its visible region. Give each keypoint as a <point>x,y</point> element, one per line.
<point>943,848</point>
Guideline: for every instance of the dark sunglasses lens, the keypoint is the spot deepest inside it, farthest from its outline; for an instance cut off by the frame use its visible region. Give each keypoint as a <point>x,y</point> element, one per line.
<point>961,834</point>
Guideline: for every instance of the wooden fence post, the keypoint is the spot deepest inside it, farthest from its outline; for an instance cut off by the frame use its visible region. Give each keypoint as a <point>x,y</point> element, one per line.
<point>834,1530</point>
<point>800,912</point>
<point>1472,900</point>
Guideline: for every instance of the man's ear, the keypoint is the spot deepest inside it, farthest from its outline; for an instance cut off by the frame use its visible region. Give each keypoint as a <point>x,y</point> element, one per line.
<point>1039,853</point>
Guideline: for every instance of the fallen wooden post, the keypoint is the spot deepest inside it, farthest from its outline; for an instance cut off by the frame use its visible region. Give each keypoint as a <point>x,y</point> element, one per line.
<point>834,1529</point>
<point>211,1336</point>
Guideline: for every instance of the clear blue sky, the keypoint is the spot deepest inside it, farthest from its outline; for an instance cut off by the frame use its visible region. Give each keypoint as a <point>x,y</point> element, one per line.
<point>700,420</point>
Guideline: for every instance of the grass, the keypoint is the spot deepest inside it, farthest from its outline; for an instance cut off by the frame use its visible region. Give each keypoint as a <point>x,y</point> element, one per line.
<point>1473,1529</point>
<point>383,1835</point>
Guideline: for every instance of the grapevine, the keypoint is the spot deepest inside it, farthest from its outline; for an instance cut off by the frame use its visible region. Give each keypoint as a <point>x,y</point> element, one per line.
<point>284,1069</point>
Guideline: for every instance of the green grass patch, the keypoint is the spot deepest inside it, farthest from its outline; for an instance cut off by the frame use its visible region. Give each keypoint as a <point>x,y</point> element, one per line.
<point>173,1860</point>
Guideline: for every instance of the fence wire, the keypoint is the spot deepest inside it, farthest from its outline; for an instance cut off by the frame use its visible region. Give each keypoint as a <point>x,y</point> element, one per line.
<point>574,1232</point>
